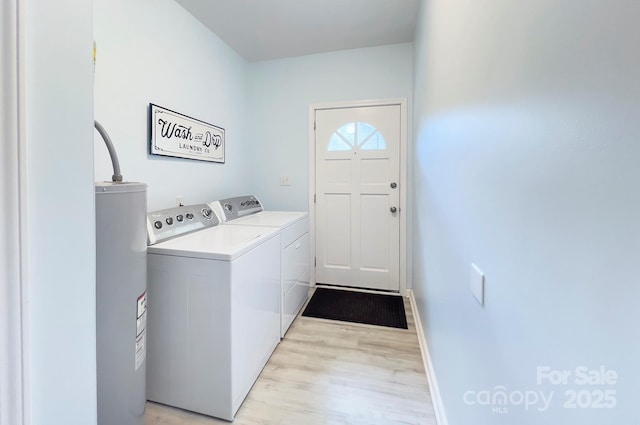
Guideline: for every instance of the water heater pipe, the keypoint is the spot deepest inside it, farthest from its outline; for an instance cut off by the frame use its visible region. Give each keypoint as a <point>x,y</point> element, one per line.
<point>117,177</point>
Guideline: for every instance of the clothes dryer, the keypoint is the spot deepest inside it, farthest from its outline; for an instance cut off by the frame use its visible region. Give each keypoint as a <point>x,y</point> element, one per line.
<point>294,247</point>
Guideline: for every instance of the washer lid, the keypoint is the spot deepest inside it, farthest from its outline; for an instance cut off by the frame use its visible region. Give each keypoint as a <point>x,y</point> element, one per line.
<point>224,243</point>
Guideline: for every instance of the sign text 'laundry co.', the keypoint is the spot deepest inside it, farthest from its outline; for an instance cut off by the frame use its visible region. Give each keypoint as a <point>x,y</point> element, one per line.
<point>177,135</point>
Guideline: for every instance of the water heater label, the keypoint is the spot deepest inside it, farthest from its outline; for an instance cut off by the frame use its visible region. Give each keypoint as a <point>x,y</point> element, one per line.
<point>141,315</point>
<point>141,349</point>
<point>141,329</point>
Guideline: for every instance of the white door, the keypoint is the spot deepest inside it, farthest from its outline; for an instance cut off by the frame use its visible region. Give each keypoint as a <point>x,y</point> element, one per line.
<point>358,196</point>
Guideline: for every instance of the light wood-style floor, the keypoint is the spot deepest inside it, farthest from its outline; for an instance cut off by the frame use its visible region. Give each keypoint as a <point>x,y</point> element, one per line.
<point>328,372</point>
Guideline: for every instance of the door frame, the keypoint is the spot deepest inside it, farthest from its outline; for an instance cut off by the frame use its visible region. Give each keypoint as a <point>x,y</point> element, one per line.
<point>402,102</point>
<point>13,248</point>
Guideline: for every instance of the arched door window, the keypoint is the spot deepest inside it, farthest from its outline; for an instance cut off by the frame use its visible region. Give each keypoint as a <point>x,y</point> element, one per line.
<point>358,135</point>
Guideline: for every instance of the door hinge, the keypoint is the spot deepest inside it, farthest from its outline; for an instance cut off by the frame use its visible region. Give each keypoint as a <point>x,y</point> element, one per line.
<point>314,125</point>
<point>314,198</point>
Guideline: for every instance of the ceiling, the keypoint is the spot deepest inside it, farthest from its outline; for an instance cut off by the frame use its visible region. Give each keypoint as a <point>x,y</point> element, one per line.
<point>270,29</point>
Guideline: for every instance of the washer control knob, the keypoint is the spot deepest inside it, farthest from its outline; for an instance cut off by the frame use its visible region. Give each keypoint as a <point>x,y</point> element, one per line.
<point>169,220</point>
<point>157,224</point>
<point>180,217</point>
<point>189,216</point>
<point>228,207</point>
<point>206,212</point>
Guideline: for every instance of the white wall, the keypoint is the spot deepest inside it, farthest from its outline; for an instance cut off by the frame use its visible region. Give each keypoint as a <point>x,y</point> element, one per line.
<point>526,163</point>
<point>60,212</point>
<point>153,51</point>
<point>280,94</point>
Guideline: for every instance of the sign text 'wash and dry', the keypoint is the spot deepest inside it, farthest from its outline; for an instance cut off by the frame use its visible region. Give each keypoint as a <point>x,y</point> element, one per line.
<point>177,135</point>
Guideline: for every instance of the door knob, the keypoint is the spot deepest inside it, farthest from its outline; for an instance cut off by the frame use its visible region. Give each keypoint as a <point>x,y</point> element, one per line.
<point>393,210</point>
<point>393,185</point>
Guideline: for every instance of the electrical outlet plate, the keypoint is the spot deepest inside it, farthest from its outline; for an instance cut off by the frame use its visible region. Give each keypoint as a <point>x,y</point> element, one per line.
<point>477,283</point>
<point>285,181</point>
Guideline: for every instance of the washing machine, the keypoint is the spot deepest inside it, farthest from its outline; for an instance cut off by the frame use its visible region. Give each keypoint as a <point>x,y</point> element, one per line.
<point>294,250</point>
<point>213,306</point>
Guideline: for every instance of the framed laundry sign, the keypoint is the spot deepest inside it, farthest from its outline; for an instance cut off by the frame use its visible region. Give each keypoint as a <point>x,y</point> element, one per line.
<point>178,135</point>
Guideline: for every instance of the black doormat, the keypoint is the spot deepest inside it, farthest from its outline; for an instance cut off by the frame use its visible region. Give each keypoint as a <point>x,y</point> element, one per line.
<point>358,307</point>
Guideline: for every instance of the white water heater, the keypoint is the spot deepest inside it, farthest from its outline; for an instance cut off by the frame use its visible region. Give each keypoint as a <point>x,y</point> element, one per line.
<point>121,310</point>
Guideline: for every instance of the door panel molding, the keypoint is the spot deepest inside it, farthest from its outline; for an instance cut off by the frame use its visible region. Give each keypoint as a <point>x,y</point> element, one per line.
<point>402,183</point>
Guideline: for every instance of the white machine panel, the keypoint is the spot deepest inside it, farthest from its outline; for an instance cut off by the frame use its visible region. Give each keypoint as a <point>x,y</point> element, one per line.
<point>212,327</point>
<point>294,231</point>
<point>295,280</point>
<point>214,314</point>
<point>216,243</point>
<point>296,257</point>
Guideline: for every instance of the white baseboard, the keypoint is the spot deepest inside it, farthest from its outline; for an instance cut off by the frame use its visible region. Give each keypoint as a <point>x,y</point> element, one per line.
<point>438,407</point>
